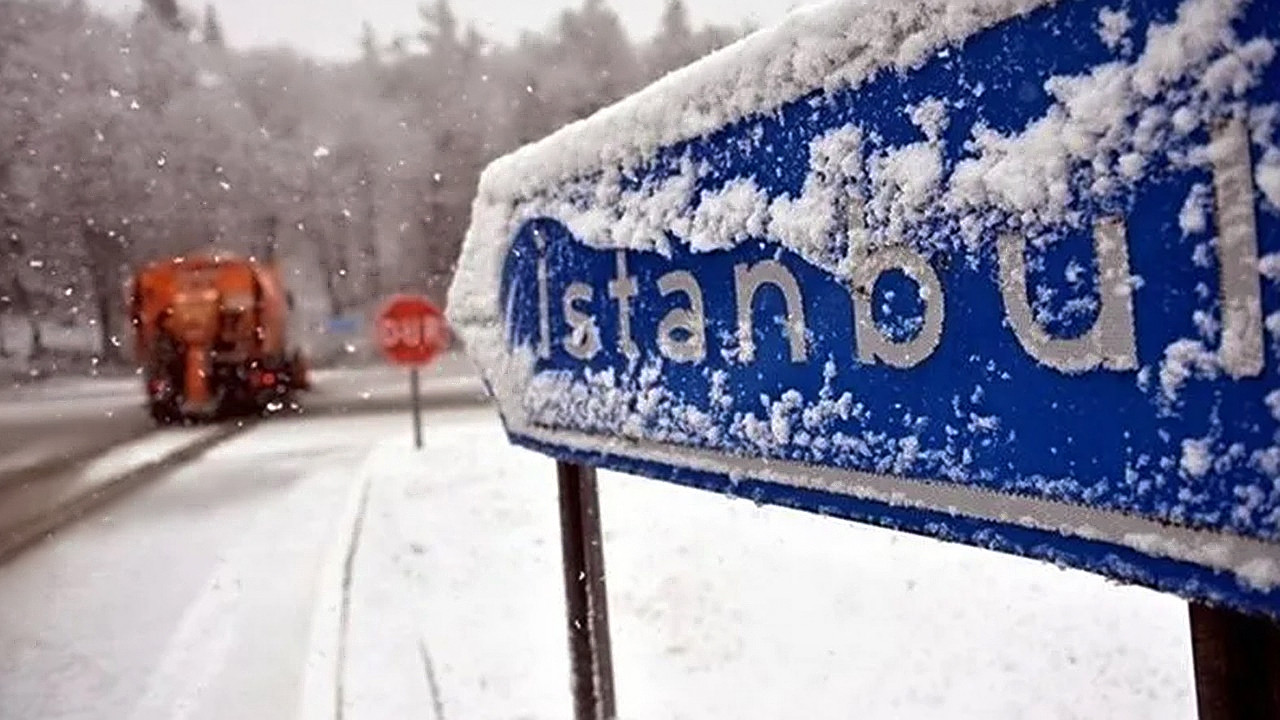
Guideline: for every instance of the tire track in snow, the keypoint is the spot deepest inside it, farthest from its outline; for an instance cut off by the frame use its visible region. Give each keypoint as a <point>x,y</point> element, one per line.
<point>344,620</point>
<point>437,703</point>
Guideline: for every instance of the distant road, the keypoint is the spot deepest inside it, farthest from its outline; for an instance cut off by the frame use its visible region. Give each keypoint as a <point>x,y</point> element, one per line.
<point>63,420</point>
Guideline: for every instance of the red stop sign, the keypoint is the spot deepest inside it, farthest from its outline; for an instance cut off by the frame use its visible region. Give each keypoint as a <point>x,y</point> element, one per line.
<point>411,331</point>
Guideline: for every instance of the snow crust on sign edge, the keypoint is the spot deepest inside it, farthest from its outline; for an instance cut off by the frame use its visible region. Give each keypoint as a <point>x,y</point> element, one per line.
<point>812,48</point>
<point>834,44</point>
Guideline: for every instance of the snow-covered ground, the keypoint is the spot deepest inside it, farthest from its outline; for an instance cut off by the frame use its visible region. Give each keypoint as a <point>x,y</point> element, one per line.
<point>218,592</point>
<point>192,598</point>
<point>721,609</point>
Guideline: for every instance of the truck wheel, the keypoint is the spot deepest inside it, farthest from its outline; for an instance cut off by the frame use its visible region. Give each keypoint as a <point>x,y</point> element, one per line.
<point>299,372</point>
<point>165,413</point>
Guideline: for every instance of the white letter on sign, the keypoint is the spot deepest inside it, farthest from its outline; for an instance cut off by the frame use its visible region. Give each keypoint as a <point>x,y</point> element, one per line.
<point>544,297</point>
<point>692,322</point>
<point>623,289</point>
<point>1241,352</point>
<point>584,337</point>
<point>873,344</point>
<point>1110,343</point>
<point>390,331</point>
<point>748,281</point>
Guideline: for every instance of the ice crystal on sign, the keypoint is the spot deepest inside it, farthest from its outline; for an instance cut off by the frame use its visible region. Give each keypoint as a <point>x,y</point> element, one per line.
<point>1268,177</point>
<point>1197,457</point>
<point>1113,25</point>
<point>1197,205</point>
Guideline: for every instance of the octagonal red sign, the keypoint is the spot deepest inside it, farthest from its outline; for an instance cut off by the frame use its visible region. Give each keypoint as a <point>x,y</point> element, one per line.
<point>411,330</point>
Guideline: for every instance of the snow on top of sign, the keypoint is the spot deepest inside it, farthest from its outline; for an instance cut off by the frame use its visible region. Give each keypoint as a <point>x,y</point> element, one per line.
<point>870,194</point>
<point>854,191</point>
<point>1268,176</point>
<point>1113,26</point>
<point>1193,216</point>
<point>825,46</point>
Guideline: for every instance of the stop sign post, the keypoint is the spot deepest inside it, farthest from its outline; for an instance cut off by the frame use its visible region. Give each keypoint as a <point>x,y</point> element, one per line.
<point>412,332</point>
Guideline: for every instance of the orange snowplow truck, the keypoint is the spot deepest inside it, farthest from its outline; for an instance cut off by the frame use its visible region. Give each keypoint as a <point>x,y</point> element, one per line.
<point>210,334</point>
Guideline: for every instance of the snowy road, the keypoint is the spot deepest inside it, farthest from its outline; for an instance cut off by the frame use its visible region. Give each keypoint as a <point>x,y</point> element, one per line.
<point>194,597</point>
<point>45,423</point>
<point>217,592</point>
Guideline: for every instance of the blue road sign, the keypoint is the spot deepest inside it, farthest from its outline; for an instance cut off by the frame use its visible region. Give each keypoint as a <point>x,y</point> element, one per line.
<point>1002,272</point>
<point>343,325</point>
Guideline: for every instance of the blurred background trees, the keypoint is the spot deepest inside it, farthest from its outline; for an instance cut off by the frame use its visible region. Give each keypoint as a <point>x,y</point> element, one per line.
<point>123,142</point>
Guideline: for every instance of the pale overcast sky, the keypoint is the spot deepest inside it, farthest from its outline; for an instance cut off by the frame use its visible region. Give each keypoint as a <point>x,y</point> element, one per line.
<point>330,28</point>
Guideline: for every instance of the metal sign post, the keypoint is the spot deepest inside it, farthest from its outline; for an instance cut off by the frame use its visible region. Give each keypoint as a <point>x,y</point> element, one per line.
<point>1237,662</point>
<point>415,389</point>
<point>590,653</point>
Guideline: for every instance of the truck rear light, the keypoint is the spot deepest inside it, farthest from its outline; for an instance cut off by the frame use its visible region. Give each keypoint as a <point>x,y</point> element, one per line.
<point>267,379</point>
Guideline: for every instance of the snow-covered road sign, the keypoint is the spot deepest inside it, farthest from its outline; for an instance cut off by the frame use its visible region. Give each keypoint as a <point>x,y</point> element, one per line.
<point>1002,272</point>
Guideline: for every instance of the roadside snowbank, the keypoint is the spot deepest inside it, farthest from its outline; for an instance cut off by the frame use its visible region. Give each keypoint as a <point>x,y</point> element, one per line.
<point>723,609</point>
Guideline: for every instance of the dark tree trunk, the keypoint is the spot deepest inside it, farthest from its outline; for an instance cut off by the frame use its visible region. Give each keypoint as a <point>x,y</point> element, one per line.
<point>22,302</point>
<point>110,353</point>
<point>271,235</point>
<point>37,336</point>
<point>329,271</point>
<point>105,256</point>
<point>372,260</point>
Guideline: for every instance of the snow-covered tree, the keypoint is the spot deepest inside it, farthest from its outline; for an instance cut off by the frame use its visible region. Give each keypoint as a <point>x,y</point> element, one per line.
<point>167,12</point>
<point>675,44</point>
<point>212,31</point>
<point>143,140</point>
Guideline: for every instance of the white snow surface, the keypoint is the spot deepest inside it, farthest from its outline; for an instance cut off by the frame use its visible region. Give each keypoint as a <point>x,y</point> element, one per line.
<point>827,45</point>
<point>194,597</point>
<point>1268,177</point>
<point>1112,26</point>
<point>722,609</point>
